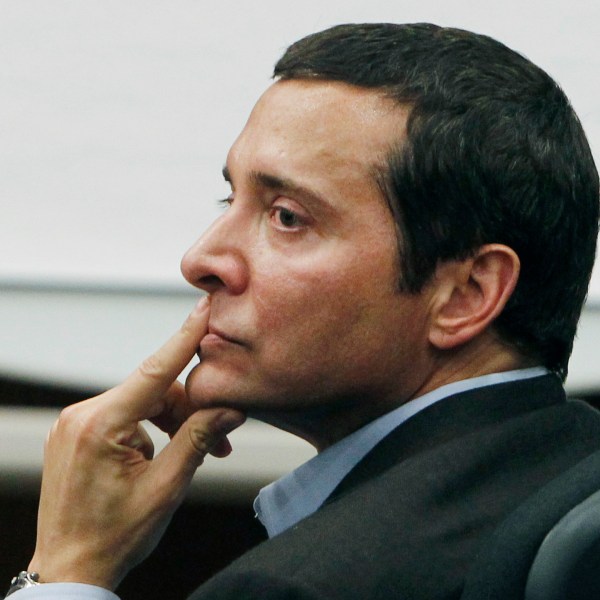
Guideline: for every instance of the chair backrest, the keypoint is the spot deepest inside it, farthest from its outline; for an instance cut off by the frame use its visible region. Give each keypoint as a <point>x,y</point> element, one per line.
<point>517,558</point>
<point>567,565</point>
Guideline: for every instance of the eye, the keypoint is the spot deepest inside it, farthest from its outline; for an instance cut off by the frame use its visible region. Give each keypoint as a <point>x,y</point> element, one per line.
<point>285,218</point>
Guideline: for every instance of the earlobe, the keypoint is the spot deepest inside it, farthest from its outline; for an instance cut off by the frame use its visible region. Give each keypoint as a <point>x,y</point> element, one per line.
<point>471,293</point>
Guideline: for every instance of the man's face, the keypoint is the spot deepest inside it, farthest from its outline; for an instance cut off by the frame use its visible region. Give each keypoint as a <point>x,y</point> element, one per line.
<point>302,267</point>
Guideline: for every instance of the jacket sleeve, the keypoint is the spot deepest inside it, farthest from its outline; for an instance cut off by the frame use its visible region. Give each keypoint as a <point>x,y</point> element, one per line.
<point>252,585</point>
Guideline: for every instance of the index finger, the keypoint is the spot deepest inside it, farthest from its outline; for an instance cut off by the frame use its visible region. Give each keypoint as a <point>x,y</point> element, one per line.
<point>142,394</point>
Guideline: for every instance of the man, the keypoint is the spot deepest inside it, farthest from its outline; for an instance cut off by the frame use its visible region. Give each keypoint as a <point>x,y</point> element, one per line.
<point>397,279</point>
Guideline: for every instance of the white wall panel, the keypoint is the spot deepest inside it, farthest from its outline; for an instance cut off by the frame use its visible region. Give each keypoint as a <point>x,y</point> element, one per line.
<point>116,115</point>
<point>115,120</point>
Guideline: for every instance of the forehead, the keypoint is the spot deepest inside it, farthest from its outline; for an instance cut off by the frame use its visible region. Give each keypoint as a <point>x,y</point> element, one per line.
<point>312,127</point>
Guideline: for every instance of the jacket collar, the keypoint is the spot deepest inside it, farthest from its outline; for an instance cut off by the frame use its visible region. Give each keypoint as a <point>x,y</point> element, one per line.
<point>452,417</point>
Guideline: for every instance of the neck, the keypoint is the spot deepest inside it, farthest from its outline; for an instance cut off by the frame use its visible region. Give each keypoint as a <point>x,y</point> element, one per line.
<point>482,356</point>
<point>327,423</point>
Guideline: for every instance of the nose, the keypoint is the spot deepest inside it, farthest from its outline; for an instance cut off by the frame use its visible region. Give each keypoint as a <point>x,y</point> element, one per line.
<point>217,261</point>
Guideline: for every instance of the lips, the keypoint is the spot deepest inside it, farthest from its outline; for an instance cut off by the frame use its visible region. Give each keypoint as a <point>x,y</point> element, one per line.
<point>215,338</point>
<point>217,333</point>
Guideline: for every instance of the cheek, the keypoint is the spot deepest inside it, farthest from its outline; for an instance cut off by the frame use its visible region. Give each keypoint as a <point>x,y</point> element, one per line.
<point>323,301</point>
<point>312,312</point>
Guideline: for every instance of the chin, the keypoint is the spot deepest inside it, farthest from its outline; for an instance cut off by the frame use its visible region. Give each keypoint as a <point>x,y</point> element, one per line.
<point>210,385</point>
<point>207,387</point>
<point>201,388</point>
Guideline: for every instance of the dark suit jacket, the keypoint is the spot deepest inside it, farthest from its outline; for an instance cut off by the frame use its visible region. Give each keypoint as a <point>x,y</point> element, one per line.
<point>409,518</point>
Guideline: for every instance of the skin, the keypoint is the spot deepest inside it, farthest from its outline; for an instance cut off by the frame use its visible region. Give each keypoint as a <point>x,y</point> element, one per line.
<point>105,500</point>
<point>304,328</point>
<point>309,330</point>
<point>302,269</point>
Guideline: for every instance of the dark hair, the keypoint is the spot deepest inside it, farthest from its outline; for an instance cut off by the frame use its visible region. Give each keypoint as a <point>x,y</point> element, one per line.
<point>494,153</point>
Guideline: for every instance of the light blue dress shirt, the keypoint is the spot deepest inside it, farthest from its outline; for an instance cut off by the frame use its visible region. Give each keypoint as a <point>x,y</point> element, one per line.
<point>297,495</point>
<point>64,591</point>
<point>300,493</point>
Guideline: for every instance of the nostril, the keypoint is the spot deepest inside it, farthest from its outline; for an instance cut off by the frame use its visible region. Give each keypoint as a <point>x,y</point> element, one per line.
<point>209,282</point>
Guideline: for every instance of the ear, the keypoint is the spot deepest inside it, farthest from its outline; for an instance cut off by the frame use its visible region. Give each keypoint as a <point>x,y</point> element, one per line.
<point>471,293</point>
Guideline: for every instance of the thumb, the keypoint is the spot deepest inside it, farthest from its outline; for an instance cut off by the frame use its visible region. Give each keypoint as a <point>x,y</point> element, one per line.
<point>202,433</point>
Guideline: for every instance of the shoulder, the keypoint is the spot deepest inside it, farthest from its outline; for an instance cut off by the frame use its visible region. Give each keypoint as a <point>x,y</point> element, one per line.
<point>413,524</point>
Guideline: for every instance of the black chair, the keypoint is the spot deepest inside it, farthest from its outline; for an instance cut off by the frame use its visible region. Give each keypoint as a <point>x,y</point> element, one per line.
<point>549,547</point>
<point>567,564</point>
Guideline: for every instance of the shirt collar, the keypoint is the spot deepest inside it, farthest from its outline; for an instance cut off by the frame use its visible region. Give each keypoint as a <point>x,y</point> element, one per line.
<point>285,502</point>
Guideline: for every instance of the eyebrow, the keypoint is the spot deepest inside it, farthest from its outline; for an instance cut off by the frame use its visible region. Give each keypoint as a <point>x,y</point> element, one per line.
<point>226,174</point>
<point>282,184</point>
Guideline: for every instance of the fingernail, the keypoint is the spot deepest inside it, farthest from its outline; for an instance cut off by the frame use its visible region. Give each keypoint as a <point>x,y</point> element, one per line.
<point>202,305</point>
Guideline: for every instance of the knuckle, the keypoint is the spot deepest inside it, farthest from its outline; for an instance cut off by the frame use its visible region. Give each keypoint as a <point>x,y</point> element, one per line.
<point>78,422</point>
<point>67,414</point>
<point>69,418</point>
<point>201,440</point>
<point>152,368</point>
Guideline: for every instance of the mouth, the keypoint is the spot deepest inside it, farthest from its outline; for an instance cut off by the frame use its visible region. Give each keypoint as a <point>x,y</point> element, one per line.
<point>215,331</point>
<point>214,338</point>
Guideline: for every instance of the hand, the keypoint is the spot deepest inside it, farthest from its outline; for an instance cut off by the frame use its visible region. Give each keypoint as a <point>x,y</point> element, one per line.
<point>105,502</point>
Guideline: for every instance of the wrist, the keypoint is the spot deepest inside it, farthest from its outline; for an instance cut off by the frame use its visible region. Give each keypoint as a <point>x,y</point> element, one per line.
<point>66,572</point>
